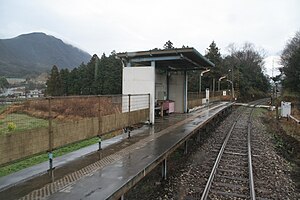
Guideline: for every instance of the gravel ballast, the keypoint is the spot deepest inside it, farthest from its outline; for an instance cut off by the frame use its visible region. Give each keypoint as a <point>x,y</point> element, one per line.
<point>187,174</point>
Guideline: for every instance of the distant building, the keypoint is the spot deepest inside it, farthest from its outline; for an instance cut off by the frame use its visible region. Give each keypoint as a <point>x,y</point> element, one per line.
<point>13,81</point>
<point>34,93</point>
<point>20,92</point>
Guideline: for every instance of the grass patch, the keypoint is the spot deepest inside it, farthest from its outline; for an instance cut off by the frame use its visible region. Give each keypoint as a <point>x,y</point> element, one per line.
<point>44,157</point>
<point>286,145</point>
<point>291,128</point>
<point>258,112</point>
<point>22,122</point>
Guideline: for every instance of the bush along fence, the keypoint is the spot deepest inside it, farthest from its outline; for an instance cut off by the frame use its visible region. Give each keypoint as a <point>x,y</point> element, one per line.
<point>29,127</point>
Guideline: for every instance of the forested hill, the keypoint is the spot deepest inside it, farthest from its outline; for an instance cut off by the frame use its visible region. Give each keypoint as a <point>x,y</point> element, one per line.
<point>35,53</point>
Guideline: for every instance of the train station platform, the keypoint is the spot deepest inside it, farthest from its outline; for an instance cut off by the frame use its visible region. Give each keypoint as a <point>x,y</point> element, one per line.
<point>112,176</point>
<point>114,179</point>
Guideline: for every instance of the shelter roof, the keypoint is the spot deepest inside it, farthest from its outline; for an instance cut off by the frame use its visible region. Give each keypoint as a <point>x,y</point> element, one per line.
<point>173,59</point>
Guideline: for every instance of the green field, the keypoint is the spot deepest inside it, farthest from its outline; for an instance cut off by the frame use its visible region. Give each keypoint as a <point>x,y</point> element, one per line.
<point>22,122</point>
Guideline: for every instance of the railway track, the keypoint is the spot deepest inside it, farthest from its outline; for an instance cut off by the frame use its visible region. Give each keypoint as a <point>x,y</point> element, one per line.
<point>231,176</point>
<point>188,175</point>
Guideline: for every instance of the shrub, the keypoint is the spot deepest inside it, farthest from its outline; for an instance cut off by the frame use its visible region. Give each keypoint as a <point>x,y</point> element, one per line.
<point>11,126</point>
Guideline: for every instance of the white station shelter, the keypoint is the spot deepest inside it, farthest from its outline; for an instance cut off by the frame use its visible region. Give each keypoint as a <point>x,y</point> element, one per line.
<point>162,74</point>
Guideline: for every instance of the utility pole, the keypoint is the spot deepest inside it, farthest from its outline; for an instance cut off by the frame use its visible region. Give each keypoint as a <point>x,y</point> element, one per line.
<point>231,89</point>
<point>231,70</point>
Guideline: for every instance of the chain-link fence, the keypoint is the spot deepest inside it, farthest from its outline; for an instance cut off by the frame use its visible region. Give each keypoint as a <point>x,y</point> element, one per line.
<point>31,126</point>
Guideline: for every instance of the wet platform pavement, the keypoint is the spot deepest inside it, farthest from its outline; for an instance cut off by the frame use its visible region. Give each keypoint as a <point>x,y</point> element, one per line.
<point>136,160</point>
<point>40,169</point>
<point>114,179</point>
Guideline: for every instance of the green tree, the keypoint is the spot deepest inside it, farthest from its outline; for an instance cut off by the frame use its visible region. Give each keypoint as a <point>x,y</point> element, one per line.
<point>65,81</point>
<point>114,79</point>
<point>290,59</point>
<point>98,76</point>
<point>3,83</point>
<point>54,83</point>
<point>109,79</point>
<point>168,45</point>
<point>75,81</point>
<point>214,55</point>
<point>90,76</point>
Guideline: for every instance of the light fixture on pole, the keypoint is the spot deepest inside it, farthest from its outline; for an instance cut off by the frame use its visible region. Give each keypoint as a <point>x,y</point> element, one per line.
<point>231,88</point>
<point>201,74</point>
<point>222,77</point>
<point>231,70</point>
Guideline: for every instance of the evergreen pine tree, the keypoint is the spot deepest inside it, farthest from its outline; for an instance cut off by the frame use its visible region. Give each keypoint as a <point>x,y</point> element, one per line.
<point>168,45</point>
<point>54,83</point>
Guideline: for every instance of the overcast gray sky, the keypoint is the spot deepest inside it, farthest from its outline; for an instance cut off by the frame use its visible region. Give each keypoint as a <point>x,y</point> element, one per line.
<point>98,26</point>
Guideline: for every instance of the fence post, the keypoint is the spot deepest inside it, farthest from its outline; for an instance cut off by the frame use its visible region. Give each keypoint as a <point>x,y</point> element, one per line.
<point>277,111</point>
<point>149,107</point>
<point>129,99</point>
<point>129,122</point>
<point>99,116</point>
<point>50,125</point>
<point>214,81</point>
<point>50,130</point>
<point>99,123</point>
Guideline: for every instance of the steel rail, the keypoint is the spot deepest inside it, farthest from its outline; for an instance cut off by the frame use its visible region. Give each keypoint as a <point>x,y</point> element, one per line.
<point>251,179</point>
<point>213,172</point>
<point>217,161</point>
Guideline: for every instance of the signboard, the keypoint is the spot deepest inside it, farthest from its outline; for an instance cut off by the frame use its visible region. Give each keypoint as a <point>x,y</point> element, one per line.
<point>285,109</point>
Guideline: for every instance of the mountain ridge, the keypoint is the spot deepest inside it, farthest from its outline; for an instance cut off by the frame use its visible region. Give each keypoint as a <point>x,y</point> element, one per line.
<point>37,52</point>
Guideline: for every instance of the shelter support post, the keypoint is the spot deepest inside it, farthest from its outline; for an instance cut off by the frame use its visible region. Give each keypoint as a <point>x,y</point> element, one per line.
<point>185,147</point>
<point>164,169</point>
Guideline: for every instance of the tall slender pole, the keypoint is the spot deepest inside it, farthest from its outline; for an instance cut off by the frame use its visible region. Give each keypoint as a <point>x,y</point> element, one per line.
<point>129,118</point>
<point>200,77</point>
<point>214,81</point>
<point>232,83</point>
<point>50,126</point>
<point>200,83</point>
<point>222,77</point>
<point>50,153</point>
<point>99,126</point>
<point>99,116</point>
<point>232,91</point>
